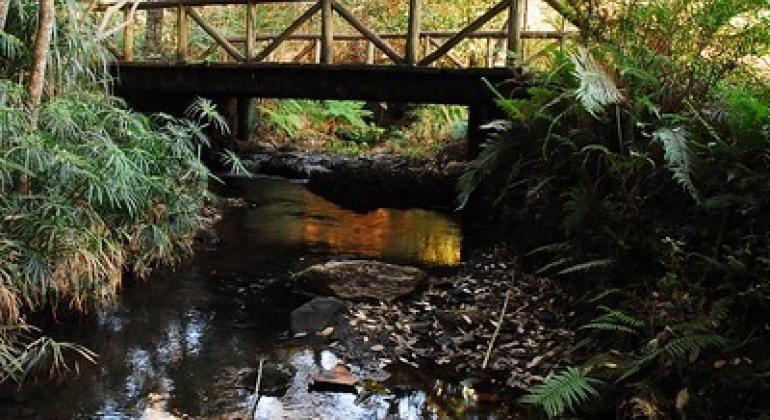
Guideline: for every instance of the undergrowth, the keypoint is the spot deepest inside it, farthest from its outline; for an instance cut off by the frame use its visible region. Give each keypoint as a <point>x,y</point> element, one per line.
<point>637,169</point>
<point>89,190</point>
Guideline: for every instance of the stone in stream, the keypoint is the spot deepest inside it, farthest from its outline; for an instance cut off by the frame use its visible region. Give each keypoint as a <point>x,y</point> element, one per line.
<point>336,379</point>
<point>316,315</point>
<point>275,381</point>
<point>361,279</point>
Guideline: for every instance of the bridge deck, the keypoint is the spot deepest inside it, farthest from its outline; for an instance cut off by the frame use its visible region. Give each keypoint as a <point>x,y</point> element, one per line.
<point>315,81</point>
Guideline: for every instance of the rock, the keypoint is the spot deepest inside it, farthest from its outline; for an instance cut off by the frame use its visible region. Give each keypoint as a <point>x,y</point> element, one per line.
<point>276,378</point>
<point>361,279</point>
<point>379,181</point>
<point>316,315</point>
<point>337,379</point>
<point>454,169</point>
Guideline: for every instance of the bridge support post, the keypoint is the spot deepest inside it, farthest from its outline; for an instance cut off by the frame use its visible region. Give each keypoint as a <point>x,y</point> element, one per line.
<point>413,35</point>
<point>128,36</point>
<point>514,33</point>
<point>327,32</point>
<point>251,11</point>
<point>182,34</point>
<point>246,108</point>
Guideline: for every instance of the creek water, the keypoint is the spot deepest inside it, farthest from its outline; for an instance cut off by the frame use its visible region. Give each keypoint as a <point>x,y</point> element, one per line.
<point>177,344</point>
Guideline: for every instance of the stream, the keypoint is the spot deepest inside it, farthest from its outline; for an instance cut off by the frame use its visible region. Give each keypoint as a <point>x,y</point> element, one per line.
<point>179,344</point>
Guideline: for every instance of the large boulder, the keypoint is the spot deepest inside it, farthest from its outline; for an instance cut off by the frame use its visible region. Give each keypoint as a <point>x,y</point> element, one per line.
<point>361,279</point>
<point>316,315</point>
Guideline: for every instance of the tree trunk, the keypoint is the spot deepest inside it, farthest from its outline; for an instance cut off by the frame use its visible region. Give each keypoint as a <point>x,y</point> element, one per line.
<point>4,6</point>
<point>153,42</point>
<point>46,18</point>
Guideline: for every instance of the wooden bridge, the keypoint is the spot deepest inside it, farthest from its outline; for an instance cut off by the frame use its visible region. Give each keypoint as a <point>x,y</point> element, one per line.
<point>417,66</point>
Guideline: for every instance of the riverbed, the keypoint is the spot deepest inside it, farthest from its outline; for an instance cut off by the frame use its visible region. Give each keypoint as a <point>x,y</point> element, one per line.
<point>180,343</point>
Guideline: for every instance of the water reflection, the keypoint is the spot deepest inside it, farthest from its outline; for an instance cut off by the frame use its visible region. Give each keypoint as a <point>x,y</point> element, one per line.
<point>287,213</point>
<point>172,347</point>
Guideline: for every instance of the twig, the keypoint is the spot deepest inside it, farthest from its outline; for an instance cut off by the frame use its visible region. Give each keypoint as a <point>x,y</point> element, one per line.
<point>497,330</point>
<point>253,413</point>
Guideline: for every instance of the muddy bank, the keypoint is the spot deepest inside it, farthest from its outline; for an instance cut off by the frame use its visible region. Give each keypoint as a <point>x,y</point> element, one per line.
<point>366,183</point>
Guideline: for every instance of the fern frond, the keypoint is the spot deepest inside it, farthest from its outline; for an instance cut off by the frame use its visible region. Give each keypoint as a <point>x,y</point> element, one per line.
<point>586,266</point>
<point>638,364</point>
<point>553,265</point>
<point>554,248</point>
<point>597,90</point>
<point>603,326</point>
<point>679,157</point>
<point>563,391</point>
<point>683,348</point>
<point>614,320</point>
<point>604,294</point>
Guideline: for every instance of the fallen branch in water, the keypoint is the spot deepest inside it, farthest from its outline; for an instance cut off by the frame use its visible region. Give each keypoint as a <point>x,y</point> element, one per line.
<point>253,413</point>
<point>497,330</point>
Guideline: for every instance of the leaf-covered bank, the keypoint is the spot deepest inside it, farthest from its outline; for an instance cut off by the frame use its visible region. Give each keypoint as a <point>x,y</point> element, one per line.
<point>637,172</point>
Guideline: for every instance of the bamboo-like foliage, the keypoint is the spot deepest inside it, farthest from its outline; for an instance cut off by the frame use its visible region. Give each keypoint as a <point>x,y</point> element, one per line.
<point>88,191</point>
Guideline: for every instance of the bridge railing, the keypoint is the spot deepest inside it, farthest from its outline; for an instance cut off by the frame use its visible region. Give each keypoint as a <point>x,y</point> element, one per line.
<point>415,47</point>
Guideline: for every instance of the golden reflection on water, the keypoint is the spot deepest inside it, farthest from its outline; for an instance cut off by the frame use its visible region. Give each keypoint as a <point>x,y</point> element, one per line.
<point>288,213</point>
<point>389,233</point>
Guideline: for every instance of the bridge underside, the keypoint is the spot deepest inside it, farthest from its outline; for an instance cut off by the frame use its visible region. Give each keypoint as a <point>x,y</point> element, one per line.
<point>315,81</point>
<point>171,87</point>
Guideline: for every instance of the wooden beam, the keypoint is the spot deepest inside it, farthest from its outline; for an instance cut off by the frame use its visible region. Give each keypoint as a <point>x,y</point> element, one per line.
<point>514,32</point>
<point>172,4</point>
<point>182,47</point>
<point>317,58</point>
<point>251,9</point>
<point>113,50</point>
<point>475,25</point>
<point>449,55</point>
<point>212,31</point>
<point>287,32</point>
<point>327,32</point>
<point>490,61</point>
<point>369,53</point>
<point>128,35</point>
<point>413,32</point>
<point>309,48</point>
<point>368,33</point>
<point>261,37</point>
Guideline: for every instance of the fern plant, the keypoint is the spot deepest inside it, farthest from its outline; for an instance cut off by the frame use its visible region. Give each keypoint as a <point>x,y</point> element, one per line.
<point>679,157</point>
<point>614,320</point>
<point>563,392</point>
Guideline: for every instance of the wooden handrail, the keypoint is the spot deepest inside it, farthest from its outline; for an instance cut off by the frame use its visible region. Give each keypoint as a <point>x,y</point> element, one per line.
<point>287,32</point>
<point>368,33</point>
<point>215,34</point>
<point>474,26</point>
<point>244,48</point>
<point>403,35</point>
<point>173,4</point>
